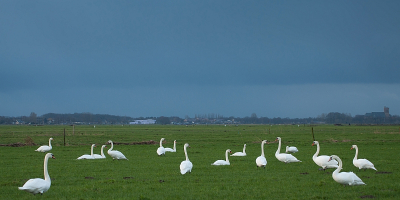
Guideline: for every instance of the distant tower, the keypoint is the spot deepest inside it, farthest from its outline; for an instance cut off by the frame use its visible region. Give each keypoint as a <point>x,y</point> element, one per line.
<point>386,111</point>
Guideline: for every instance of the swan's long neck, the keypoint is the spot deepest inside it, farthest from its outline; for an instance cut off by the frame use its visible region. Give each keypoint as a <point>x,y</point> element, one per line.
<point>91,150</point>
<point>50,142</point>
<point>226,156</point>
<point>340,165</point>
<point>244,149</point>
<point>161,143</point>
<point>187,159</point>
<point>316,153</point>
<point>112,145</point>
<point>279,147</point>
<point>46,173</point>
<point>355,157</point>
<point>262,149</point>
<point>174,145</point>
<point>102,151</point>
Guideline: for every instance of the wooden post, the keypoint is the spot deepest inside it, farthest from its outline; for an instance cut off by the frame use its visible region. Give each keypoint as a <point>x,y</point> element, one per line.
<point>64,136</point>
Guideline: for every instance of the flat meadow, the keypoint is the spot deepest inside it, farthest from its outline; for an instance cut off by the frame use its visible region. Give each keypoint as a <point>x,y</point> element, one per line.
<point>149,176</point>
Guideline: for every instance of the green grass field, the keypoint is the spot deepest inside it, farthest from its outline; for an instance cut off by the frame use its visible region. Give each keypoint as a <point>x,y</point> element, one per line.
<point>148,176</point>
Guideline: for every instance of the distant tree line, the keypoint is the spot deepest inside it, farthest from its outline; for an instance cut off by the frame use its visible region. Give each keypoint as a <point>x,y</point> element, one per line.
<point>89,118</point>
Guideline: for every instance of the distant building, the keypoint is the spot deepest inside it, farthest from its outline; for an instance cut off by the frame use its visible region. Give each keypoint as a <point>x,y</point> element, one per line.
<point>145,121</point>
<point>383,114</point>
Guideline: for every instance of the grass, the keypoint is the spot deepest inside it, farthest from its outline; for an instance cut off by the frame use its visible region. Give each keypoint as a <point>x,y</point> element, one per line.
<point>148,176</point>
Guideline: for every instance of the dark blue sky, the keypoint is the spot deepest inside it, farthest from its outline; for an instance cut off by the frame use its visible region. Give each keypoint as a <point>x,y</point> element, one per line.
<point>176,58</point>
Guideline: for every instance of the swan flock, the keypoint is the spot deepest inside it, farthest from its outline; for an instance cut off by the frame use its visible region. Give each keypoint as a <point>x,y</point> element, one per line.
<point>38,185</point>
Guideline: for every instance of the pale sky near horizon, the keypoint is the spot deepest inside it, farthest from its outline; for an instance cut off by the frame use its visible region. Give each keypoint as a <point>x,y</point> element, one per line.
<point>290,58</point>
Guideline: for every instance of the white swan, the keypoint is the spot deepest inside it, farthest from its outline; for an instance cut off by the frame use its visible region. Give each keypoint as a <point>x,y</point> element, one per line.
<point>223,162</point>
<point>362,163</point>
<point>345,178</point>
<point>97,156</point>
<point>114,153</point>
<point>86,156</point>
<point>291,149</point>
<point>241,153</point>
<point>261,161</point>
<point>284,157</point>
<point>323,160</point>
<point>186,165</point>
<point>171,150</point>
<point>38,185</point>
<point>161,149</point>
<point>45,148</point>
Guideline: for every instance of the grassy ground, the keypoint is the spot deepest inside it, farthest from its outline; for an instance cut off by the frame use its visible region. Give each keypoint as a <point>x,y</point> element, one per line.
<point>148,176</point>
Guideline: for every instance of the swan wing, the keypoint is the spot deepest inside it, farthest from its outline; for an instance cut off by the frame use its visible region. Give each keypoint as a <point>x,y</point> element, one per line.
<point>323,161</point>
<point>363,164</point>
<point>86,156</point>
<point>221,162</point>
<point>347,178</point>
<point>43,148</point>
<point>98,156</point>
<point>186,166</point>
<point>261,161</point>
<point>168,150</point>
<point>239,154</point>
<point>116,154</point>
<point>36,185</point>
<point>160,151</point>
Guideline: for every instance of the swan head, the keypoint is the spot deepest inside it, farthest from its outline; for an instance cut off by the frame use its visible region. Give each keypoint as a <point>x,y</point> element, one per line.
<point>93,145</point>
<point>264,141</point>
<point>50,155</point>
<point>51,139</point>
<point>278,138</point>
<point>187,145</point>
<point>162,139</point>
<point>228,151</point>
<point>314,143</point>
<point>109,141</point>
<point>104,146</point>
<point>332,157</point>
<point>353,147</point>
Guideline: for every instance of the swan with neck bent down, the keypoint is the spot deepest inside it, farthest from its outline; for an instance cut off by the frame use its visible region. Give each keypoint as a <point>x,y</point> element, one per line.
<point>86,156</point>
<point>97,156</point>
<point>186,165</point>
<point>344,178</point>
<point>323,161</point>
<point>362,163</point>
<point>161,149</point>
<point>171,150</point>
<point>223,162</point>
<point>114,153</point>
<point>240,153</point>
<point>38,185</point>
<point>291,149</point>
<point>284,157</point>
<point>45,148</point>
<point>261,161</point>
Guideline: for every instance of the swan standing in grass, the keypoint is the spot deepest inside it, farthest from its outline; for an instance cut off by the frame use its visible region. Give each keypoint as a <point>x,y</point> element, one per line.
<point>97,156</point>
<point>323,160</point>
<point>86,156</point>
<point>284,157</point>
<point>362,163</point>
<point>114,153</point>
<point>291,149</point>
<point>241,153</point>
<point>223,162</point>
<point>261,161</point>
<point>161,149</point>
<point>186,165</point>
<point>45,148</point>
<point>38,185</point>
<point>171,150</point>
<point>345,178</point>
